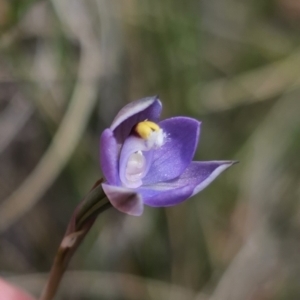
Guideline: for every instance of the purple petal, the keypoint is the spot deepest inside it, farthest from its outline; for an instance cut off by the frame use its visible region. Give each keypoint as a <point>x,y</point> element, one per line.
<point>124,200</point>
<point>176,154</point>
<point>195,178</point>
<point>109,157</point>
<point>133,113</point>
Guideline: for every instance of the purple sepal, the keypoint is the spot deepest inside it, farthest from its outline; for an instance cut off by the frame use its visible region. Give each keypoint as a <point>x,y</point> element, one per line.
<point>124,199</point>
<point>195,178</point>
<point>133,113</point>
<point>176,154</point>
<point>109,157</point>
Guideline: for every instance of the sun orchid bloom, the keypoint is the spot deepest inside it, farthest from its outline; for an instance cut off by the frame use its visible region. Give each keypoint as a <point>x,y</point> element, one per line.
<point>147,161</point>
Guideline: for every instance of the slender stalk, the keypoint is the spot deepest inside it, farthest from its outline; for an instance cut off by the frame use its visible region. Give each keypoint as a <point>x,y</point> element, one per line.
<point>56,273</point>
<point>80,223</point>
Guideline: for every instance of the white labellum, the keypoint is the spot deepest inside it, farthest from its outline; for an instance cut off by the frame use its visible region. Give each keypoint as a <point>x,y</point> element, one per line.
<point>135,168</point>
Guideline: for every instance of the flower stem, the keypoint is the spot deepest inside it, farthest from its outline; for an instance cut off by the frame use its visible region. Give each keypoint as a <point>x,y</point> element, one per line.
<point>56,274</point>
<point>80,223</point>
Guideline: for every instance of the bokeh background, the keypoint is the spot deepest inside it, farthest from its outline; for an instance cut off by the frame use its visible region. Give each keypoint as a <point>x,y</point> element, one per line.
<point>67,67</point>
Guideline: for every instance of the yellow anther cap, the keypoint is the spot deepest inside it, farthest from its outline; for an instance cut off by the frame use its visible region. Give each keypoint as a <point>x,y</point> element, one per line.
<point>145,128</point>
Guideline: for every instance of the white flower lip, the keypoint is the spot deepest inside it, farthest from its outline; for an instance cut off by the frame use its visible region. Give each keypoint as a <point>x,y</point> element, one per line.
<point>135,168</point>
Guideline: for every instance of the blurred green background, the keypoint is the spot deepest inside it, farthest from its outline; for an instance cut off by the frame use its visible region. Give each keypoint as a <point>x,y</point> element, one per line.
<point>68,66</point>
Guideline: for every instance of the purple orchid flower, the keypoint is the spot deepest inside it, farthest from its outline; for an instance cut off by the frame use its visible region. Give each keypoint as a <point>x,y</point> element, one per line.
<point>147,161</point>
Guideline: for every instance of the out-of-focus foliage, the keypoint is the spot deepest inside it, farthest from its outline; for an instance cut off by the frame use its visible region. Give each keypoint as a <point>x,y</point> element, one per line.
<point>66,68</point>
